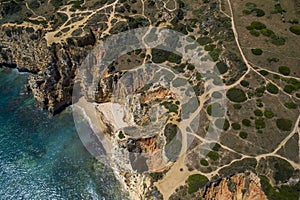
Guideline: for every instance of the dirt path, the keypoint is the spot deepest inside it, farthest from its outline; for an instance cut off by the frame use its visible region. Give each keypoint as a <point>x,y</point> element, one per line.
<point>175,178</point>
<point>50,36</point>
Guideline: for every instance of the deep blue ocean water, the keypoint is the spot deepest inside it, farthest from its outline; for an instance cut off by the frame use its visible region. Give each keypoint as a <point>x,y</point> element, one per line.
<point>42,157</point>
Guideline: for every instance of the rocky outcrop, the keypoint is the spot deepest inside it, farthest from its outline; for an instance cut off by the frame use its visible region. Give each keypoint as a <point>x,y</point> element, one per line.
<point>53,67</point>
<point>237,187</point>
<point>24,48</point>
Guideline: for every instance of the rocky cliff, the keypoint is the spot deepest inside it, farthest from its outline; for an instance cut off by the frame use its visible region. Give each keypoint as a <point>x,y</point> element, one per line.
<point>237,187</point>
<point>52,68</point>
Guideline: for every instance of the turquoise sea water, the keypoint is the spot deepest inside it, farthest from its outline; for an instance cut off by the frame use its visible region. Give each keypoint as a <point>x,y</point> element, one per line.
<point>42,157</point>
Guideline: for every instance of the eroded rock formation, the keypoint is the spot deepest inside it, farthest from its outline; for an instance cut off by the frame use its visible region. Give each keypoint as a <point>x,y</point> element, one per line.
<point>53,67</point>
<point>237,187</point>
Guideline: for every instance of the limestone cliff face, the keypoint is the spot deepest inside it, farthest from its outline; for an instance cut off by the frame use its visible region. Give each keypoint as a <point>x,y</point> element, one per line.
<point>53,67</point>
<point>237,187</point>
<point>24,48</point>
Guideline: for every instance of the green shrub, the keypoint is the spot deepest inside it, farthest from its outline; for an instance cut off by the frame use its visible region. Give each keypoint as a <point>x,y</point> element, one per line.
<point>215,54</point>
<point>289,89</point>
<point>298,95</point>
<point>213,155</point>
<point>203,162</point>
<point>236,126</point>
<point>221,67</point>
<point>204,40</point>
<point>246,12</point>
<point>267,32</point>
<point>290,105</point>
<point>278,8</point>
<point>56,3</point>
<point>294,82</point>
<point>257,51</point>
<point>284,124</point>
<point>174,58</point>
<point>121,135</point>
<point>179,68</point>
<point>216,147</point>
<point>195,182</point>
<point>34,4</point>
<point>276,76</point>
<point>271,88</point>
<point>246,122</point>
<point>278,40</point>
<point>259,103</point>
<point>243,135</point>
<point>249,28</point>
<point>170,106</point>
<point>294,21</point>
<point>260,91</point>
<point>209,47</point>
<point>237,106</point>
<point>284,70</point>
<point>295,30</point>
<point>257,12</point>
<point>268,114</point>
<point>260,123</point>
<point>157,175</point>
<point>258,25</point>
<point>170,132</point>
<point>273,60</point>
<point>190,67</point>
<point>236,95</point>
<point>264,72</point>
<point>159,55</point>
<point>244,83</point>
<point>258,113</point>
<point>254,33</point>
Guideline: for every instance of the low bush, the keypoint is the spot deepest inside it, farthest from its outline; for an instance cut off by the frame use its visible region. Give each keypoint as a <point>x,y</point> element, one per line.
<point>254,33</point>
<point>258,113</point>
<point>236,95</point>
<point>284,124</point>
<point>203,162</point>
<point>257,12</point>
<point>290,105</point>
<point>221,67</point>
<point>295,30</point>
<point>267,32</point>
<point>268,114</point>
<point>257,51</point>
<point>260,123</point>
<point>246,122</point>
<point>271,88</point>
<point>244,83</point>
<point>258,25</point>
<point>289,89</point>
<point>243,135</point>
<point>236,126</point>
<point>213,155</point>
<point>195,182</point>
<point>284,70</point>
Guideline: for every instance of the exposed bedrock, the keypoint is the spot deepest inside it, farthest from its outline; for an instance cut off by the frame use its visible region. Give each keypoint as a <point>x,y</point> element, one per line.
<point>52,68</point>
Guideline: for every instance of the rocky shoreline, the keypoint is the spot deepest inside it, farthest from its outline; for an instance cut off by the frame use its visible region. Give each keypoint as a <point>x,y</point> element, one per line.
<point>52,68</point>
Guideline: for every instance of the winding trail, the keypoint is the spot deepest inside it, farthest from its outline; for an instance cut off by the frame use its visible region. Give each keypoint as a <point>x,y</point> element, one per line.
<point>170,182</point>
